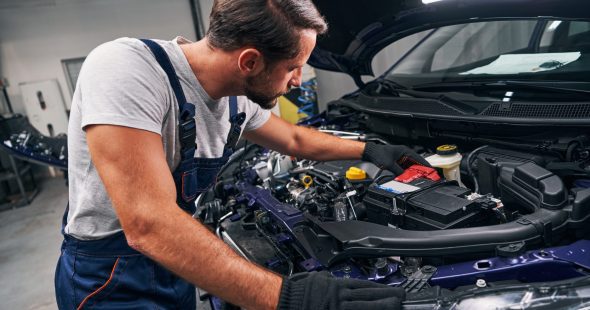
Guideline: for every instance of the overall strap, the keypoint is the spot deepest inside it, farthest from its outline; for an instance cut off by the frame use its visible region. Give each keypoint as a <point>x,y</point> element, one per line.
<point>187,128</point>
<point>236,120</point>
<point>166,65</point>
<point>186,111</point>
<point>233,107</point>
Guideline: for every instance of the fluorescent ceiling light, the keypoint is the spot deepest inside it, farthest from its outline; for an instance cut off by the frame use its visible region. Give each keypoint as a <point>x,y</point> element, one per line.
<point>429,1</point>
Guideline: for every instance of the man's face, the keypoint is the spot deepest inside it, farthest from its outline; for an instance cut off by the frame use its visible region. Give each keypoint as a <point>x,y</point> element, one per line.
<point>276,80</point>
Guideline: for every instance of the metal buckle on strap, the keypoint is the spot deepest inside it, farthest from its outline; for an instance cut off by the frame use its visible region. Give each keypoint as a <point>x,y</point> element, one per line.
<point>233,136</point>
<point>235,130</point>
<point>187,133</point>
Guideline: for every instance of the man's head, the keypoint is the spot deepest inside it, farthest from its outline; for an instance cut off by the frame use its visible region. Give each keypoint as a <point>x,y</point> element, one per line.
<point>277,37</point>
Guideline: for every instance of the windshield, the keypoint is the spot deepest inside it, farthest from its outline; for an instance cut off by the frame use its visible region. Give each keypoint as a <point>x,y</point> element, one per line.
<point>531,50</point>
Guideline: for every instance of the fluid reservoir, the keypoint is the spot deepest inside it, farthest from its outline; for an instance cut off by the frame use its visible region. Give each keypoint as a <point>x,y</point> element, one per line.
<point>447,158</point>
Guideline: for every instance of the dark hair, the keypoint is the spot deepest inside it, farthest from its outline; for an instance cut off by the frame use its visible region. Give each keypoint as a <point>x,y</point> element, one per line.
<point>271,26</point>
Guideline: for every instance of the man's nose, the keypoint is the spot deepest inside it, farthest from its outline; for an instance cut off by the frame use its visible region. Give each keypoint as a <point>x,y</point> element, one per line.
<point>296,78</point>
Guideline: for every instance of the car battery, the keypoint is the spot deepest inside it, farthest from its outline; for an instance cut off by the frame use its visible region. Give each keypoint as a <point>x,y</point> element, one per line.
<point>422,204</point>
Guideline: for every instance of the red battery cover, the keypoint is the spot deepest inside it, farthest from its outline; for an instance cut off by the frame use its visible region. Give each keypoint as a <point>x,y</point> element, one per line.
<point>417,171</point>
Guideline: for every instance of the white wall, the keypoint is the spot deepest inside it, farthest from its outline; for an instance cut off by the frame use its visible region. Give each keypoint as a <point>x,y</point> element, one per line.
<point>34,40</point>
<point>206,7</point>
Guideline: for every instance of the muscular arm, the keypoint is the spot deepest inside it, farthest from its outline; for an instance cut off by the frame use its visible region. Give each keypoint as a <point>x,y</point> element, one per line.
<point>132,165</point>
<point>299,141</point>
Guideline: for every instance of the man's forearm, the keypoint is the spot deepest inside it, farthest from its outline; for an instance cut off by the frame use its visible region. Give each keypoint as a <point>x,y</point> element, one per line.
<point>189,249</point>
<point>313,144</point>
<point>137,178</point>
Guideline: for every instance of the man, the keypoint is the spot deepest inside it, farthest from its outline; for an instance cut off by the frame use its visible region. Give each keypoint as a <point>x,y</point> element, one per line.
<point>130,240</point>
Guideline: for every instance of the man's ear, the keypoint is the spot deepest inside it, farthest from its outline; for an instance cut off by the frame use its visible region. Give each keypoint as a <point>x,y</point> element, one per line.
<point>250,62</point>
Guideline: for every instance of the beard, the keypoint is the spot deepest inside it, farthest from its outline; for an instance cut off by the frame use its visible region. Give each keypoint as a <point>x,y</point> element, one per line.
<point>256,90</point>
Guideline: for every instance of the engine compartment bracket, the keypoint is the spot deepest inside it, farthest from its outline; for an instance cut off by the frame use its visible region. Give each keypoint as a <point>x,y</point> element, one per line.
<point>419,279</point>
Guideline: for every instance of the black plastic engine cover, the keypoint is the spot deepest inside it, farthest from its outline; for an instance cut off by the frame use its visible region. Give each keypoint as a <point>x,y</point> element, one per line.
<point>489,161</point>
<point>534,187</point>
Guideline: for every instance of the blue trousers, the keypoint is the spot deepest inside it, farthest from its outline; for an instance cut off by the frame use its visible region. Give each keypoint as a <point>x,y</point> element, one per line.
<point>108,274</point>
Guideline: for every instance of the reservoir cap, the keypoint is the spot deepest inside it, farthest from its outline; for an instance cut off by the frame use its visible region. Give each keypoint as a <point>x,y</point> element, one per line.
<point>446,149</point>
<point>354,173</point>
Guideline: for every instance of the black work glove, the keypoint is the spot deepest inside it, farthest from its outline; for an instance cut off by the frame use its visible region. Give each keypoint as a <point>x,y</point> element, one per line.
<point>321,291</point>
<point>394,158</point>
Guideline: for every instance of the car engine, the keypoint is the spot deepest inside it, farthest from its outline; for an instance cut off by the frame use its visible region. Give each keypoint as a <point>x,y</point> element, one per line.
<point>508,218</point>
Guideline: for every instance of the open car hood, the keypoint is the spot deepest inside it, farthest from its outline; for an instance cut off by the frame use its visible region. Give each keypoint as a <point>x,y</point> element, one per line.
<point>357,32</point>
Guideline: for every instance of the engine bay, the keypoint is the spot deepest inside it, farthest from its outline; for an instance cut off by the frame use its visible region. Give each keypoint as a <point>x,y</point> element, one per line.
<point>507,216</point>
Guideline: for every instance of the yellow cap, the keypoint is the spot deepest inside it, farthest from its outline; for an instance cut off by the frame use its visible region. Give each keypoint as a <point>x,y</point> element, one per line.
<point>354,173</point>
<point>307,181</point>
<point>446,149</point>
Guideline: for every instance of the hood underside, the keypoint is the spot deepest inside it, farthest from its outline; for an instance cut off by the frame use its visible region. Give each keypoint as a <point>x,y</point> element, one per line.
<point>358,31</point>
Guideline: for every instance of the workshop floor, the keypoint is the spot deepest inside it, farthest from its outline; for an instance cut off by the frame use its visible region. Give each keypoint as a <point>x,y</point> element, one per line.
<point>29,247</point>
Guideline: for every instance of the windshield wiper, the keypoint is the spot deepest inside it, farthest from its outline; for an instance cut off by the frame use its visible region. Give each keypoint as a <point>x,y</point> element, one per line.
<point>576,88</point>
<point>441,97</point>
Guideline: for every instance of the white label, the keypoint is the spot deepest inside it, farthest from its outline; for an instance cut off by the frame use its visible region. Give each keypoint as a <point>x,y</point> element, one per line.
<point>398,187</point>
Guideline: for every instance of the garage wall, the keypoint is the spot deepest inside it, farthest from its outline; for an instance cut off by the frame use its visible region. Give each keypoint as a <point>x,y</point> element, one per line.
<point>36,35</point>
<point>206,7</point>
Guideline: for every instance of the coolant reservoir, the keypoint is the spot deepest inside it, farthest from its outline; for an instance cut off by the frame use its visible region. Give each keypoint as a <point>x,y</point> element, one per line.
<point>447,158</point>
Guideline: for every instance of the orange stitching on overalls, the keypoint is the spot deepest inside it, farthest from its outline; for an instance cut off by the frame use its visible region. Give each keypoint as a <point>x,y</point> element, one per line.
<point>100,288</point>
<point>182,189</point>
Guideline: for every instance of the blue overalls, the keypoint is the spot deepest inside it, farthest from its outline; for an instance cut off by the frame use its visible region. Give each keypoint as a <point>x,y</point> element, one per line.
<point>107,273</point>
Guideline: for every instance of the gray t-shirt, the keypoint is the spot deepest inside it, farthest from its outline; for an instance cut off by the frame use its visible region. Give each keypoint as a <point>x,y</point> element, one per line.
<point>121,83</point>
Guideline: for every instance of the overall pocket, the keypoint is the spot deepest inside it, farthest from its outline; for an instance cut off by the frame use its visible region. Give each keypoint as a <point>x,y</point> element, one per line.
<point>189,185</point>
<point>95,278</point>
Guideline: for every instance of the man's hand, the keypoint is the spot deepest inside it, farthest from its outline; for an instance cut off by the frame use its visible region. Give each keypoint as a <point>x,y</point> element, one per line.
<point>319,290</point>
<point>392,157</point>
